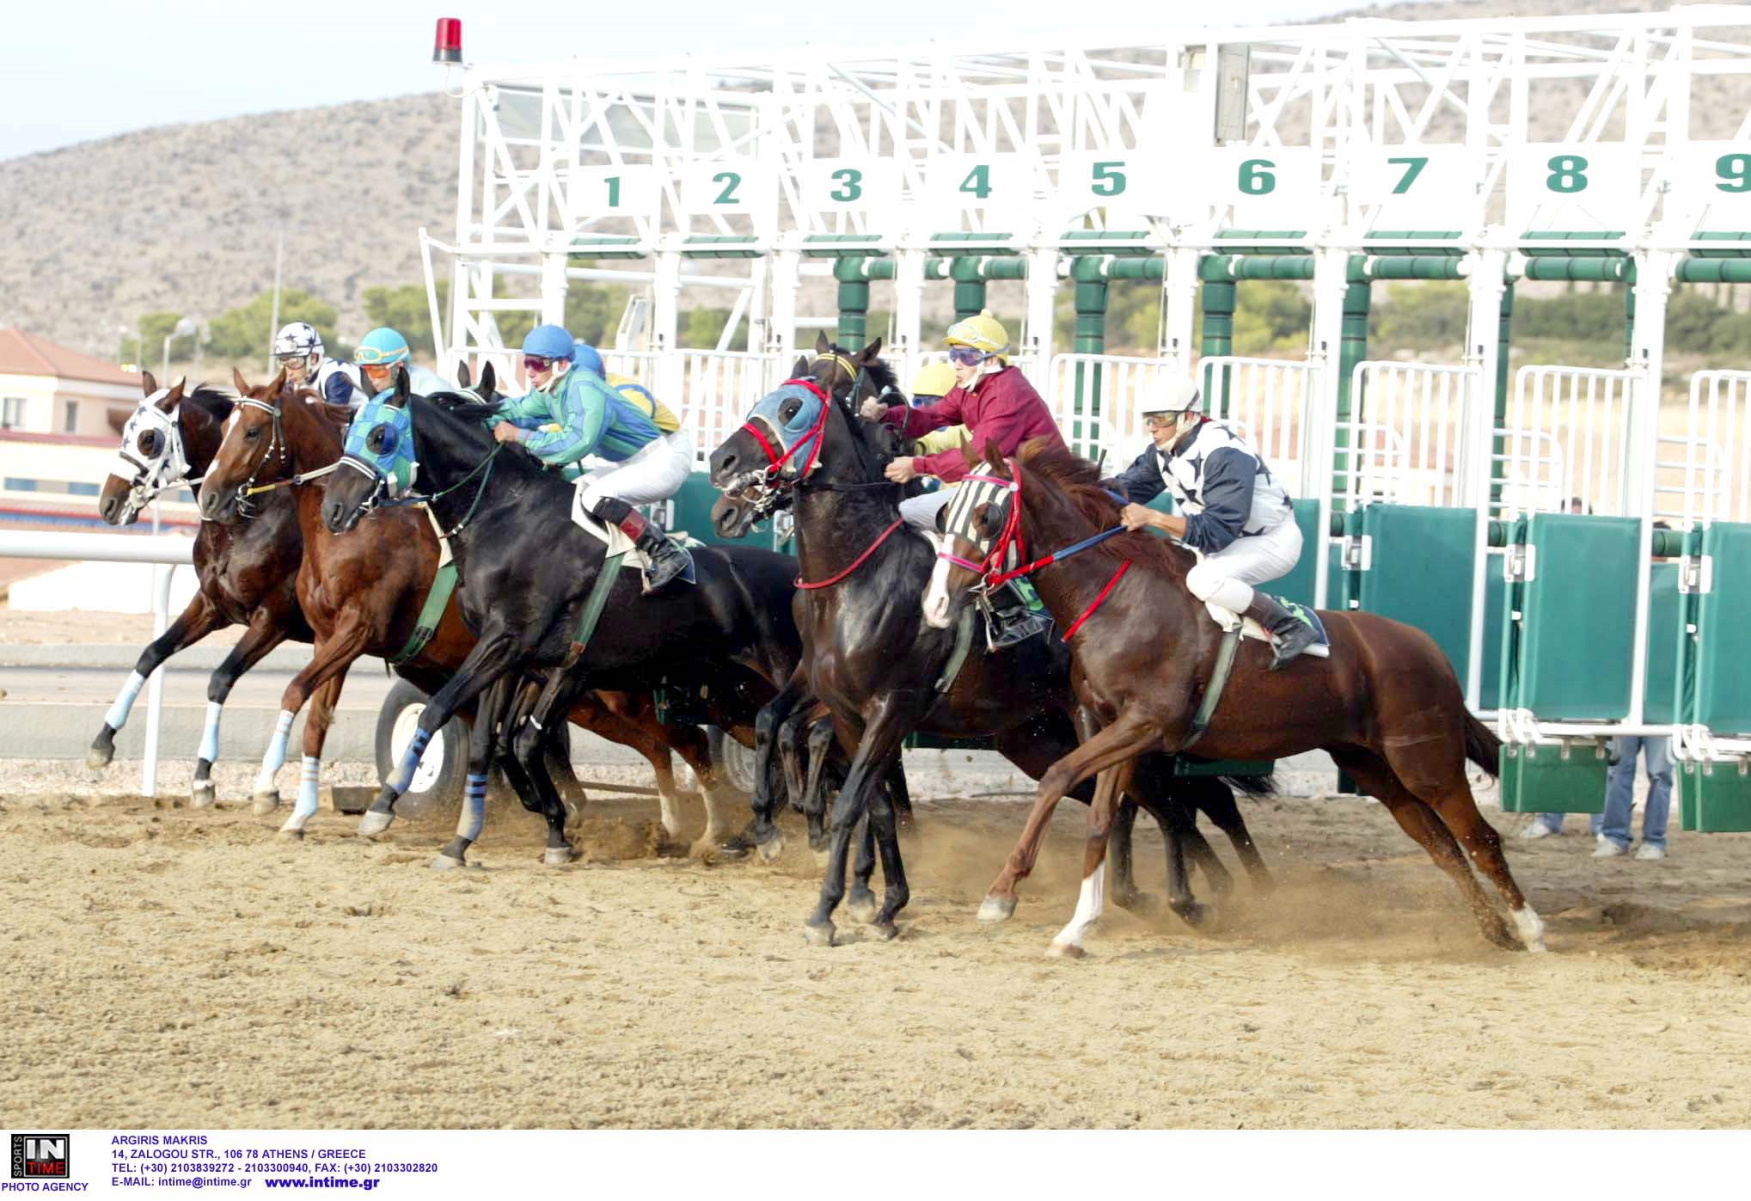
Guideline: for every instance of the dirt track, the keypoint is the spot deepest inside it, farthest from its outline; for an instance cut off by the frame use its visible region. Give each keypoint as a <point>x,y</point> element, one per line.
<point>172,968</point>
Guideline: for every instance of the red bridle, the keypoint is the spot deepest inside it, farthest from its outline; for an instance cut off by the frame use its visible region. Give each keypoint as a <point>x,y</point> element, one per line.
<point>814,435</point>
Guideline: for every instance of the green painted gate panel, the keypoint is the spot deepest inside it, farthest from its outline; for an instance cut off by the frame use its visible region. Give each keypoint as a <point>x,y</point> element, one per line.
<point>1566,653</point>
<point>1554,779</point>
<point>1723,683</point>
<point>1297,586</point>
<point>1661,704</point>
<point>1420,567</point>
<point>1715,798</point>
<point>1495,606</point>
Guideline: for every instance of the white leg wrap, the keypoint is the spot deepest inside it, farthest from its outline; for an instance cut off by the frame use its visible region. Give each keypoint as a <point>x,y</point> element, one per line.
<point>117,717</point>
<point>309,784</point>
<point>671,809</point>
<point>1088,909</point>
<point>1531,928</point>
<point>210,733</point>
<point>276,753</point>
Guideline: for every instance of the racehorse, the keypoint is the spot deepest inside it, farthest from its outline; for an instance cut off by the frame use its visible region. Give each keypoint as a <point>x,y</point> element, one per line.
<point>1385,705</point>
<point>527,574</point>
<point>247,572</point>
<point>870,658</point>
<point>365,595</point>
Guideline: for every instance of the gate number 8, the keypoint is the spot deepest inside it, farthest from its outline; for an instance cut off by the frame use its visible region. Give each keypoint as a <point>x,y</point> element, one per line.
<point>1568,173</point>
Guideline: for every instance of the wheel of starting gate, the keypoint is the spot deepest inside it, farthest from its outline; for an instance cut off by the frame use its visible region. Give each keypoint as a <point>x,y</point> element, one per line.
<point>734,760</point>
<point>437,782</point>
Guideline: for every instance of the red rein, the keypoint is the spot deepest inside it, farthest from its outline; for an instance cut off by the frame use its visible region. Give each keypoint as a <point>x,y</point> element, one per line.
<point>776,461</point>
<point>855,563</point>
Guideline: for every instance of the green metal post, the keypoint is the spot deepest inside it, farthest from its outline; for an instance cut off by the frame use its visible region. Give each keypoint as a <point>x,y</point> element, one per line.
<point>1629,328</point>
<point>1090,299</point>
<point>1352,349</point>
<point>969,286</point>
<point>1216,299</point>
<point>1504,374</point>
<point>853,302</point>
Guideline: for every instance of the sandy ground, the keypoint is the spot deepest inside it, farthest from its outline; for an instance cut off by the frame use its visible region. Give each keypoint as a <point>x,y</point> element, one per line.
<point>26,627</point>
<point>173,968</point>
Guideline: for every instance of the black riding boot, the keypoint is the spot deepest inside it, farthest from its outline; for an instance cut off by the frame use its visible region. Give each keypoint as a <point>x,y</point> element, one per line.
<point>1290,636</point>
<point>669,561</point>
<point>1014,621</point>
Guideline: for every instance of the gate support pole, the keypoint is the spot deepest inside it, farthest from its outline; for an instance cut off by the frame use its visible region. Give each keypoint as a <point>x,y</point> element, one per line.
<point>1492,304</point>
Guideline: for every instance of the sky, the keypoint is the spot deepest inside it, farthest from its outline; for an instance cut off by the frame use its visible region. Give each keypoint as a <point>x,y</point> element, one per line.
<point>97,68</point>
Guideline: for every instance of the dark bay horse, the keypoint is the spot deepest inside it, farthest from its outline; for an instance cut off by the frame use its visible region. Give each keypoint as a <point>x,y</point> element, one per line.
<point>365,596</point>
<point>247,572</point>
<point>527,572</point>
<point>1386,705</point>
<point>870,658</point>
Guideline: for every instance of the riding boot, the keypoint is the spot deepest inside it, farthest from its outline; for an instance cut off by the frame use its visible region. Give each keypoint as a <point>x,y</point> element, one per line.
<point>1015,622</point>
<point>1290,636</point>
<point>668,560</point>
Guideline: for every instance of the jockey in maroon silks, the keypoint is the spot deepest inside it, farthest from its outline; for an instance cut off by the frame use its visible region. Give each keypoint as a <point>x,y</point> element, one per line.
<point>999,408</point>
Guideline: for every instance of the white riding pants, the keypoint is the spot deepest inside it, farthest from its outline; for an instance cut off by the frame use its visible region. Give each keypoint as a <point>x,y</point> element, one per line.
<point>1226,577</point>
<point>920,511</point>
<point>656,472</point>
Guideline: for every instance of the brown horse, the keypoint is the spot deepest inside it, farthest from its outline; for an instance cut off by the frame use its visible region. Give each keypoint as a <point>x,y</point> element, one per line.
<point>247,572</point>
<point>1386,705</point>
<point>363,595</point>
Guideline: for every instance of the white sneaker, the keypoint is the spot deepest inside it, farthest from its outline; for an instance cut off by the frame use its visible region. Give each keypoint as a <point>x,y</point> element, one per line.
<point>1608,849</point>
<point>1539,830</point>
<point>1649,851</point>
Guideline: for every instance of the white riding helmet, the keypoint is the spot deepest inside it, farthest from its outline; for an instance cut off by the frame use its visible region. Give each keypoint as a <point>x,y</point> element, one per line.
<point>299,339</point>
<point>1172,394</point>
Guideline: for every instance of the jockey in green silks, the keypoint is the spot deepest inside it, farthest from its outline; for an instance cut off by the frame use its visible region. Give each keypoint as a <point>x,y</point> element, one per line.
<point>572,414</point>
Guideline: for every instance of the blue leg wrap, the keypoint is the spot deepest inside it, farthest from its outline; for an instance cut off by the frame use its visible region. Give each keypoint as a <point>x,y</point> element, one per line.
<point>402,780</point>
<point>473,809</point>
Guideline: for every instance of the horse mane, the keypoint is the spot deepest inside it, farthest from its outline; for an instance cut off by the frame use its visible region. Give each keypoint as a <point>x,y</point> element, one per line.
<point>1079,481</point>
<point>214,402</point>
<point>465,406</point>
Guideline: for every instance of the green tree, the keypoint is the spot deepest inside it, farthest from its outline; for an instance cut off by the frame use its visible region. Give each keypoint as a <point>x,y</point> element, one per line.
<point>403,308</point>
<point>148,348</point>
<point>705,327</point>
<point>244,332</point>
<point>1420,316</point>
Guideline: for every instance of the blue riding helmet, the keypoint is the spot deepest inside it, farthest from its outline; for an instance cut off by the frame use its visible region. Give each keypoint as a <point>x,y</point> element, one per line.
<point>795,416</point>
<point>382,347</point>
<point>379,442</point>
<point>590,359</point>
<point>550,342</point>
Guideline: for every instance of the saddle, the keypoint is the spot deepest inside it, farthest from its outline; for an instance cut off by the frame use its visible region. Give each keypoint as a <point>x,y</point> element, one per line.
<point>1230,621</point>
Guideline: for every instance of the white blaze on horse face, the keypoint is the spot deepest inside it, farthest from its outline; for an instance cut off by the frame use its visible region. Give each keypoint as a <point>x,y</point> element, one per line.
<point>937,601</point>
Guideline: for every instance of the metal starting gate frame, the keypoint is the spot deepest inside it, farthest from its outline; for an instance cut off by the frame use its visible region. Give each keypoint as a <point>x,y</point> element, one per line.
<point>1337,154</point>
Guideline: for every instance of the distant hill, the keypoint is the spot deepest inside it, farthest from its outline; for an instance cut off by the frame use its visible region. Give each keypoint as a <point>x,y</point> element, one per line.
<point>184,217</point>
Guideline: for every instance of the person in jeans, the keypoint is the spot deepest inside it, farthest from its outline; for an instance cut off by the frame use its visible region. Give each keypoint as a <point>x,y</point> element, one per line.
<point>1611,828</point>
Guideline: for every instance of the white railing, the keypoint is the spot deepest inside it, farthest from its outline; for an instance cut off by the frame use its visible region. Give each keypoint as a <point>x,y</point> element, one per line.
<point>1097,401</point>
<point>1270,401</point>
<point>1589,414</point>
<point>1709,476</point>
<point>1405,440</point>
<point>164,552</point>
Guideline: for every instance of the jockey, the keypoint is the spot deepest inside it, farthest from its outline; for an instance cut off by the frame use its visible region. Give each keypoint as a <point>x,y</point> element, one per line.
<point>1235,513</point>
<point>380,351</point>
<point>298,348</point>
<point>933,382</point>
<point>999,408</point>
<point>570,414</point>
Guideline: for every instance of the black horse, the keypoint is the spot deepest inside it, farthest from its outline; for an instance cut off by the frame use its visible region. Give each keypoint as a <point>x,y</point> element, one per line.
<point>870,656</point>
<point>526,572</point>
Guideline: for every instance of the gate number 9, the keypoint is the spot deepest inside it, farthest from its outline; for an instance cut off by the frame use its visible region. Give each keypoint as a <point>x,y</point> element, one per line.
<point>1733,172</point>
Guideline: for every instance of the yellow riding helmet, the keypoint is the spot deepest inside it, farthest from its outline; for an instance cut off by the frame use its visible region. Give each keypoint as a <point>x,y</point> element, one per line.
<point>983,332</point>
<point>934,379</point>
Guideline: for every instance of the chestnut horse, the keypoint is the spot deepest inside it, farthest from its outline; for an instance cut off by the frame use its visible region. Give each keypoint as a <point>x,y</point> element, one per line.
<point>364,595</point>
<point>1386,705</point>
<point>247,572</point>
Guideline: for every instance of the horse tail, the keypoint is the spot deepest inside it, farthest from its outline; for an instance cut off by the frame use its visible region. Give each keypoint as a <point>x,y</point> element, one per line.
<point>1482,746</point>
<point>1252,786</point>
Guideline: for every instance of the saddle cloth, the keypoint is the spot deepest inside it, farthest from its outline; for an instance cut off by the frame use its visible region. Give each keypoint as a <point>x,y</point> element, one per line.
<point>1228,620</point>
<point>615,537</point>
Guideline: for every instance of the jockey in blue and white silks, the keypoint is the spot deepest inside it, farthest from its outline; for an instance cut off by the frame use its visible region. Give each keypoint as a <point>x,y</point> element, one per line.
<point>298,348</point>
<point>570,414</point>
<point>1233,512</point>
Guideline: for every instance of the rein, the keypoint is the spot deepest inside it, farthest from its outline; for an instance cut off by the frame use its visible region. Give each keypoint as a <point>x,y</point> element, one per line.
<point>855,563</point>
<point>814,436</point>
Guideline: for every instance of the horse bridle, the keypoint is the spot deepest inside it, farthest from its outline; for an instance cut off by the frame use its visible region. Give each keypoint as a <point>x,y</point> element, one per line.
<point>152,478</point>
<point>1007,547</point>
<point>246,507</point>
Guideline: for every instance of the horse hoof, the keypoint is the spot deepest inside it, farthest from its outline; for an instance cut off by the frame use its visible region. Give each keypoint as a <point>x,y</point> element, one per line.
<point>99,755</point>
<point>996,909</point>
<point>374,823</point>
<point>1065,950</point>
<point>724,850</point>
<point>203,795</point>
<point>291,832</point>
<point>1198,917</point>
<point>264,803</point>
<point>772,848</point>
<point>818,845</point>
<point>863,909</point>
<point>818,936</point>
<point>886,931</point>
<point>555,856</point>
<point>447,863</point>
<point>1142,904</point>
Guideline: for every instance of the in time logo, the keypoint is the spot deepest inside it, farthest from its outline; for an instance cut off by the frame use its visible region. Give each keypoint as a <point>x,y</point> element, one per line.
<point>39,1156</point>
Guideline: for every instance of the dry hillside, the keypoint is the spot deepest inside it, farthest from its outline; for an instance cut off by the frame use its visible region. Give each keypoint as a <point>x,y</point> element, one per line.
<point>184,217</point>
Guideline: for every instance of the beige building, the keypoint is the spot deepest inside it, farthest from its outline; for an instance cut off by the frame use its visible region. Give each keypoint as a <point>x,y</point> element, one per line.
<point>49,389</point>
